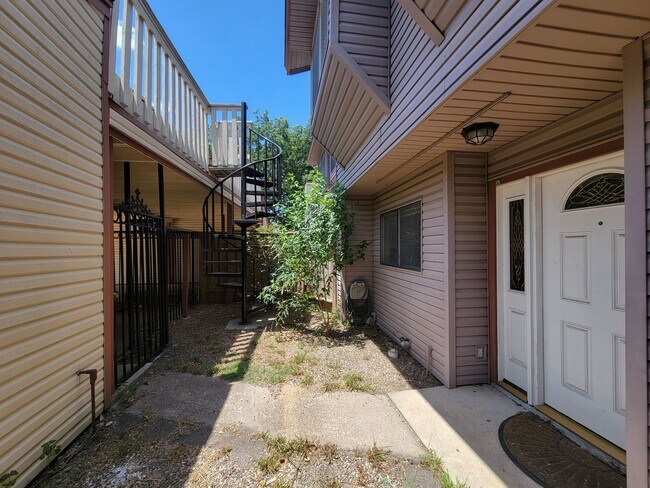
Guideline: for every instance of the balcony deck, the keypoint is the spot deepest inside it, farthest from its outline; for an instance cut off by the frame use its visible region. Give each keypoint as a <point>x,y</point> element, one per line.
<point>153,90</point>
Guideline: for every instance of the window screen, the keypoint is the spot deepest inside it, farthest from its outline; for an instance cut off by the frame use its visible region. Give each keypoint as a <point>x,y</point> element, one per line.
<point>401,242</point>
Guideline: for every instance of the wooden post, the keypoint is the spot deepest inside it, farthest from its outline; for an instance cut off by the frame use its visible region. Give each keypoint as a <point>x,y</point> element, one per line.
<point>185,301</point>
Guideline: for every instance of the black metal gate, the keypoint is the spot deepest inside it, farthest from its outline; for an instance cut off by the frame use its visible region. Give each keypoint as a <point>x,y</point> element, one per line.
<point>141,320</point>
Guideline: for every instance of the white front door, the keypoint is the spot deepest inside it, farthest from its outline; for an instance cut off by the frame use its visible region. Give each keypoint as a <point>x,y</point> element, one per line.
<point>584,295</point>
<point>514,316</point>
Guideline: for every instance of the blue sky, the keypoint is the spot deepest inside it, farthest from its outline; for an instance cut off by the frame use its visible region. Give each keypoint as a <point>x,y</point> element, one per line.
<point>235,51</point>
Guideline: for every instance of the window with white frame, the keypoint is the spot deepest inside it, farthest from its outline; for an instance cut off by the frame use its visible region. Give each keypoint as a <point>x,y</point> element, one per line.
<point>401,237</point>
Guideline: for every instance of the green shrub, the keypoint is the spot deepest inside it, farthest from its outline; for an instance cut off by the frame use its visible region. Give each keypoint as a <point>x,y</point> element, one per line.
<point>310,241</point>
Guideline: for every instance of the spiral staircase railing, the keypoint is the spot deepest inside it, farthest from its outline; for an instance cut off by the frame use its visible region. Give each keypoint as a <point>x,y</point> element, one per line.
<point>255,188</point>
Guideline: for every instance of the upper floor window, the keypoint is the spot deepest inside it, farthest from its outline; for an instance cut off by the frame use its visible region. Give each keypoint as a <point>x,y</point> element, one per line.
<point>401,237</point>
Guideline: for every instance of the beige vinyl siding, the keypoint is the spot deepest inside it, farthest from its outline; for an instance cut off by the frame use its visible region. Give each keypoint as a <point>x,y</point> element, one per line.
<point>183,198</point>
<point>364,32</point>
<point>362,269</point>
<point>51,319</point>
<point>593,125</point>
<point>415,304</point>
<point>423,75</point>
<point>469,246</point>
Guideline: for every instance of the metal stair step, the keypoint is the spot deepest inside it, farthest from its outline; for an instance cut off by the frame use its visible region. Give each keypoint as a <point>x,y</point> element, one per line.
<point>227,261</point>
<point>260,183</point>
<point>224,273</point>
<point>259,215</point>
<point>247,222</point>
<point>253,172</point>
<point>260,204</point>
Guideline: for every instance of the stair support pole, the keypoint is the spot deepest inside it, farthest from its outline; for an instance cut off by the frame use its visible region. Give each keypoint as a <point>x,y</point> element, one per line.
<point>244,252</point>
<point>244,277</point>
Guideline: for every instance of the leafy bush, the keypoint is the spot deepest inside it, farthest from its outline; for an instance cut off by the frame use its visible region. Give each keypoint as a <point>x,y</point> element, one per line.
<point>310,244</point>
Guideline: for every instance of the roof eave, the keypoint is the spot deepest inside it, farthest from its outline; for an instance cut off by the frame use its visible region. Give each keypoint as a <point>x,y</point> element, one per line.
<point>288,48</point>
<point>295,71</point>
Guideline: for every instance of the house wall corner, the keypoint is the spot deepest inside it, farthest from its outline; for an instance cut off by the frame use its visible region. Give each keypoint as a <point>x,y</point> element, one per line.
<point>636,109</point>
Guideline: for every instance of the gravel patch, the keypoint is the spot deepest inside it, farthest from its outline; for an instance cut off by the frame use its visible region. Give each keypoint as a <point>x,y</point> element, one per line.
<point>349,358</point>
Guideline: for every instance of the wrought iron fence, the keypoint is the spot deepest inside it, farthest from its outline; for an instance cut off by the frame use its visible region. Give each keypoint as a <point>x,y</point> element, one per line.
<point>148,285</point>
<point>141,322</point>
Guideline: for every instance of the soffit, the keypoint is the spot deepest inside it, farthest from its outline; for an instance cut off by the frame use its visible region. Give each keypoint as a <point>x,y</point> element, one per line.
<point>299,22</point>
<point>568,59</point>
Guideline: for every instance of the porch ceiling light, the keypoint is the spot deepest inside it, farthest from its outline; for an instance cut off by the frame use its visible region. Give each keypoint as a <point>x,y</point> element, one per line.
<point>479,133</point>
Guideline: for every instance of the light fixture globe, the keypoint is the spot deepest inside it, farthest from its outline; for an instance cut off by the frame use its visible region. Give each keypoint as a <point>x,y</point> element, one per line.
<point>479,133</point>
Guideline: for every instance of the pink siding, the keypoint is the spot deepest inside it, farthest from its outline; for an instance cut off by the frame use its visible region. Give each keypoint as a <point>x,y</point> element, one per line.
<point>469,244</point>
<point>364,34</point>
<point>646,97</point>
<point>452,191</point>
<point>593,125</point>
<point>408,303</point>
<point>423,75</point>
<point>440,13</point>
<point>636,98</point>
<point>362,269</point>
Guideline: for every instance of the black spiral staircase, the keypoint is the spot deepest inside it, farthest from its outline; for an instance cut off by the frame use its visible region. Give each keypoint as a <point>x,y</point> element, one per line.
<point>255,188</point>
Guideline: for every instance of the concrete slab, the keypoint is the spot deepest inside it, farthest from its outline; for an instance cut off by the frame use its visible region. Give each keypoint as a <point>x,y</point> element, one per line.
<point>205,400</point>
<point>462,426</point>
<point>349,420</point>
<point>256,322</point>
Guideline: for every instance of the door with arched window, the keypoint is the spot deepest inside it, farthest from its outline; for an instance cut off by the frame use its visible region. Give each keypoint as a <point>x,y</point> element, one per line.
<point>583,264</point>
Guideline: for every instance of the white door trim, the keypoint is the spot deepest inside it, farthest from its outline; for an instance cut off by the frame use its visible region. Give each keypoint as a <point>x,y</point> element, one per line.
<point>532,268</point>
<point>535,297</point>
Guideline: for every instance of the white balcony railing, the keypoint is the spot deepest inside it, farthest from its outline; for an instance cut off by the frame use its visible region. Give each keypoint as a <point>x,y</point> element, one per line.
<point>225,135</point>
<point>149,80</point>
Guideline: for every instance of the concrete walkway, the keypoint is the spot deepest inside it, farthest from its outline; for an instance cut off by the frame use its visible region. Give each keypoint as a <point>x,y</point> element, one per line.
<point>349,420</point>
<point>462,425</point>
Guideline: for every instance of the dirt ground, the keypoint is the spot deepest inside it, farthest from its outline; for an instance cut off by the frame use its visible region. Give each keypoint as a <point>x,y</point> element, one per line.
<point>349,358</point>
<point>135,446</point>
